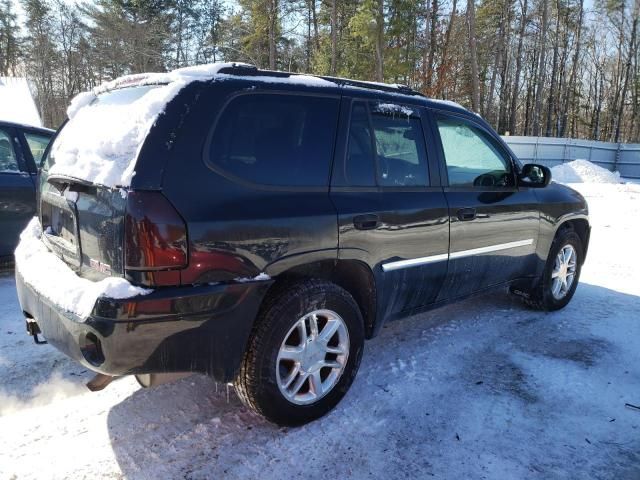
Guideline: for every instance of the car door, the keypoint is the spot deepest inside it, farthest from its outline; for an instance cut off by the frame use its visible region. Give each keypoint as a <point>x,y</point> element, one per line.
<point>17,191</point>
<point>493,223</point>
<point>392,214</point>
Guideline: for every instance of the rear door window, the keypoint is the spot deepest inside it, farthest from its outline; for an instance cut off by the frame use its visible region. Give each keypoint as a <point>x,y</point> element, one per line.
<point>402,159</point>
<point>390,138</point>
<point>8,158</point>
<point>276,139</point>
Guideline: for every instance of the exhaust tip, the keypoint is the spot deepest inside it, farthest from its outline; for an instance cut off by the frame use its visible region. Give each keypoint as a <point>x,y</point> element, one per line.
<point>91,349</point>
<point>99,382</point>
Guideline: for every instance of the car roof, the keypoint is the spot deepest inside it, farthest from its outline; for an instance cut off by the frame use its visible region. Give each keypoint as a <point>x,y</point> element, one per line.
<point>391,92</point>
<point>27,127</point>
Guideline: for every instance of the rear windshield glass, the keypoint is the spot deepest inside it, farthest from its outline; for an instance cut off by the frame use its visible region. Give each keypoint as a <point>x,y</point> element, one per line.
<point>275,139</point>
<point>123,96</point>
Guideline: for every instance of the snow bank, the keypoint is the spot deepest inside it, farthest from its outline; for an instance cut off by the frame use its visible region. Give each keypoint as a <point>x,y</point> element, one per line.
<point>52,278</point>
<point>583,171</point>
<point>101,141</point>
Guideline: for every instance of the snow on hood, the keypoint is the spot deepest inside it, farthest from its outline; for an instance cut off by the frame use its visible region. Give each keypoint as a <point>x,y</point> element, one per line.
<point>101,142</point>
<point>52,278</point>
<point>583,171</point>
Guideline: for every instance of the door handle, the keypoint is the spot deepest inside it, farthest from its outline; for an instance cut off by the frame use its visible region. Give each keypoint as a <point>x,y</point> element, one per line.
<point>466,214</point>
<point>367,221</point>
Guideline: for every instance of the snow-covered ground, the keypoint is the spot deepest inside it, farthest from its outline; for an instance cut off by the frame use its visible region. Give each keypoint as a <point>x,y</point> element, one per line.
<point>481,389</point>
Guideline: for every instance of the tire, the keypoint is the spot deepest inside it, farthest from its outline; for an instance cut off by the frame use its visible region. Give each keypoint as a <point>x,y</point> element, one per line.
<point>283,326</point>
<point>542,297</point>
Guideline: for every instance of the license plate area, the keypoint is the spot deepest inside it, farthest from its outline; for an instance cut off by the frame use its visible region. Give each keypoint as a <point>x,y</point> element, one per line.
<point>60,227</point>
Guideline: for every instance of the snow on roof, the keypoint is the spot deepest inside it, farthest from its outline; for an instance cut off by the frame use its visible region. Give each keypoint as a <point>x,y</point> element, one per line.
<point>16,102</point>
<point>392,108</point>
<point>107,155</point>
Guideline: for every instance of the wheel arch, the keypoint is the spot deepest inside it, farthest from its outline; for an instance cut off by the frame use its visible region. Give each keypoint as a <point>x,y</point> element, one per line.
<point>352,275</point>
<point>580,225</point>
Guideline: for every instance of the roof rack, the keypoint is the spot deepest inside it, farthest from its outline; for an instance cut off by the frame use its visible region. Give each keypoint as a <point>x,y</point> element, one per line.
<point>239,69</point>
<point>252,70</point>
<point>385,87</point>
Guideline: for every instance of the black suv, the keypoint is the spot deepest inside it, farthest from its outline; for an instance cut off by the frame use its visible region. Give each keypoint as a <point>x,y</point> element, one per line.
<point>280,222</point>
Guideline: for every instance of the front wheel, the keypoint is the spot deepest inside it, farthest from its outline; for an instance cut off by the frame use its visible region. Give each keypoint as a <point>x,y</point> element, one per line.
<point>561,273</point>
<point>303,354</point>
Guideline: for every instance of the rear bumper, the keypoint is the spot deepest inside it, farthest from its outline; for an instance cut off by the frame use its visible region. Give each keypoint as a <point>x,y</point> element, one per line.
<point>200,328</point>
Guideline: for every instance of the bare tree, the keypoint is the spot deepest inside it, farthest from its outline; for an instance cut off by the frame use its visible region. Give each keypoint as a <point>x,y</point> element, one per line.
<point>473,53</point>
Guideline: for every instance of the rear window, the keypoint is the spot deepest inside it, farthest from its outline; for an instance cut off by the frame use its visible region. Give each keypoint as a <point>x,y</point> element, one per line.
<point>116,102</point>
<point>275,139</point>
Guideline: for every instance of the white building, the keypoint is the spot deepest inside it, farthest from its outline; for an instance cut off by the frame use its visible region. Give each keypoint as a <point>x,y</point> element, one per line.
<point>16,103</point>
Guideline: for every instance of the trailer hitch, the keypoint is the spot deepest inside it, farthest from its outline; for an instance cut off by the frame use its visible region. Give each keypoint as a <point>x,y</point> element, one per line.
<point>33,329</point>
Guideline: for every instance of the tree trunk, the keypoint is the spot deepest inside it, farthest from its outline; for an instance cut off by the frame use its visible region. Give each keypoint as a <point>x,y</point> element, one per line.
<point>473,52</point>
<point>570,98</point>
<point>504,74</point>
<point>541,67</point>
<point>554,69</point>
<point>499,51</point>
<point>314,17</point>
<point>432,43</point>
<point>273,31</point>
<point>380,41</point>
<point>442,69</point>
<point>334,35</point>
<point>630,57</point>
<point>598,108</point>
<point>516,79</point>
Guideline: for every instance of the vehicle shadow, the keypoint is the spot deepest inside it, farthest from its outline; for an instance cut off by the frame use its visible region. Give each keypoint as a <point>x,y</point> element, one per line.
<point>463,391</point>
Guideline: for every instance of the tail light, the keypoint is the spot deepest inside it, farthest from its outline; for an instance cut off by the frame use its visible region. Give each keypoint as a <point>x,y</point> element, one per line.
<point>155,237</point>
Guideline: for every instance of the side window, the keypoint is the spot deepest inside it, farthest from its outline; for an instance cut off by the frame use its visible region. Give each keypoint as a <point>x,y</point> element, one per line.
<point>274,139</point>
<point>359,169</point>
<point>8,160</point>
<point>37,144</point>
<point>471,157</point>
<point>400,148</point>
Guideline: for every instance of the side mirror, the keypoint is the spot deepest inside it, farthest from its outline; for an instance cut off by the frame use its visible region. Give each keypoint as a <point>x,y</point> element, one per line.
<point>534,176</point>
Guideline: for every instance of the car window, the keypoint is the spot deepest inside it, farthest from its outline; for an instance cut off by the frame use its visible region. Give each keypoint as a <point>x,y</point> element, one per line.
<point>8,160</point>
<point>472,159</point>
<point>400,148</point>
<point>359,169</point>
<point>282,140</point>
<point>37,144</point>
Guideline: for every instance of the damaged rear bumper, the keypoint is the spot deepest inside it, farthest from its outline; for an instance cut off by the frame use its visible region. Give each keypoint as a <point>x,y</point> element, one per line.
<point>183,329</point>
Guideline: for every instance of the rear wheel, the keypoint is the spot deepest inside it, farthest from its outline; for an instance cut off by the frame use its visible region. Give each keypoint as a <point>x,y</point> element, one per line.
<point>561,273</point>
<point>303,353</point>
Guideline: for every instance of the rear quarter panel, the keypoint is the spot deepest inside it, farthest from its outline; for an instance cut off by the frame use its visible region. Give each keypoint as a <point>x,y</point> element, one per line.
<point>236,230</point>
